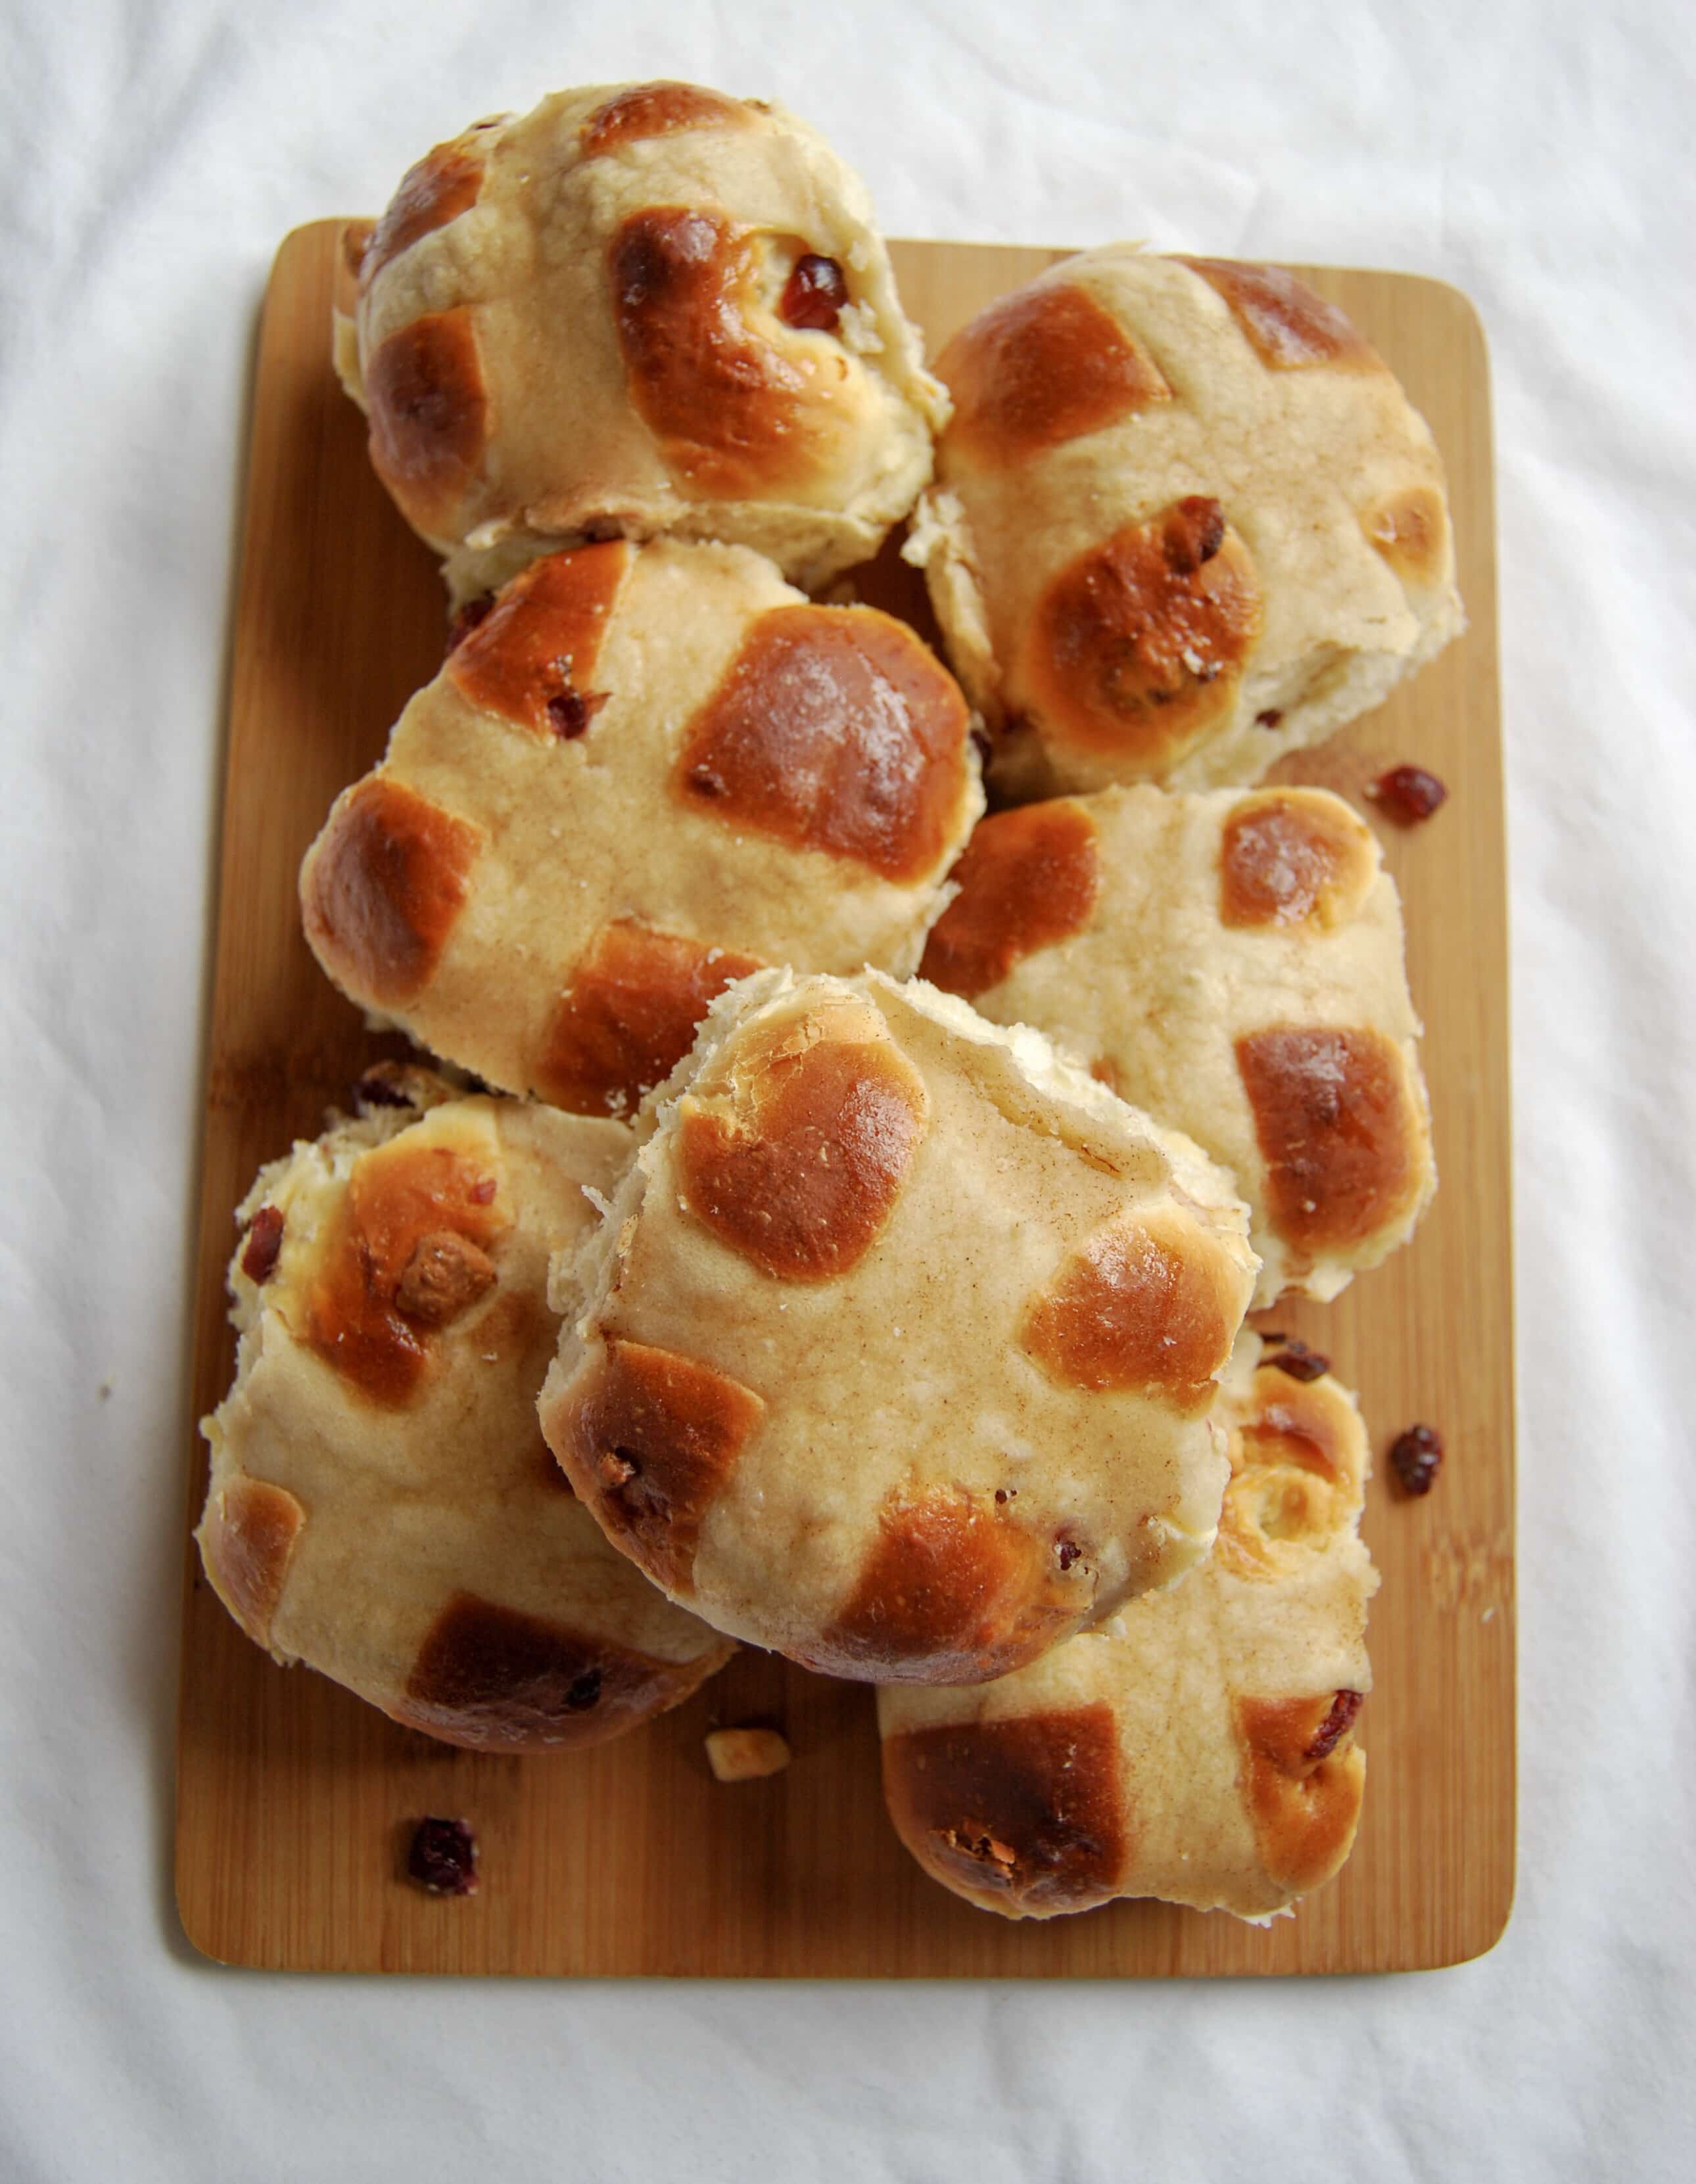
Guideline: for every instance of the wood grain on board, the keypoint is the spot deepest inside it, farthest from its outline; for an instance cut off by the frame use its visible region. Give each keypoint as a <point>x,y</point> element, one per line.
<point>294,1800</point>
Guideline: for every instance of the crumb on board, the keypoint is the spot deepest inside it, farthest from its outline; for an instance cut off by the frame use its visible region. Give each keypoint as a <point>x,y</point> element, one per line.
<point>739,1755</point>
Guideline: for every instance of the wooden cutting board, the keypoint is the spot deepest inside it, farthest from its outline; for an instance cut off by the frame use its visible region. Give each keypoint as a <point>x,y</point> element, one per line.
<point>295,1801</point>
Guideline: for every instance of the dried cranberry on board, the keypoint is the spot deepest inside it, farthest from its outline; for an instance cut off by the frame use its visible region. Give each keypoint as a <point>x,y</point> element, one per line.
<point>814,294</point>
<point>1409,793</point>
<point>443,1858</point>
<point>1416,1458</point>
<point>264,1243</point>
<point>1295,1359</point>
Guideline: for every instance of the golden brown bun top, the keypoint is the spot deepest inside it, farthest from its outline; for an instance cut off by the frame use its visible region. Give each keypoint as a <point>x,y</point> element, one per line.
<point>1185,520</point>
<point>860,1203</point>
<point>638,308</point>
<point>641,773</point>
<point>1231,961</point>
<point>1200,1748</point>
<point>382,1504</point>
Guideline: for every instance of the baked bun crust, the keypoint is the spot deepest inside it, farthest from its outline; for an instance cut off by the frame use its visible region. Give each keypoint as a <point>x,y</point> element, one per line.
<point>902,1338</point>
<point>1185,520</point>
<point>639,307</point>
<point>1200,1748</point>
<point>646,772</point>
<point>1233,962</point>
<point>381,1504</point>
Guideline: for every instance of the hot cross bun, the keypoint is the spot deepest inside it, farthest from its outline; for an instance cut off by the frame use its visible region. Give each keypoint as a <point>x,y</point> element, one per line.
<point>1200,1748</point>
<point>382,1505</point>
<point>1185,518</point>
<point>647,772</point>
<point>639,307</point>
<point>902,1338</point>
<point>1232,962</point>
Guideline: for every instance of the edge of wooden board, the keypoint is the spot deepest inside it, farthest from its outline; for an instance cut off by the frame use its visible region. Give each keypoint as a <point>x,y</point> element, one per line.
<point>228,1942</point>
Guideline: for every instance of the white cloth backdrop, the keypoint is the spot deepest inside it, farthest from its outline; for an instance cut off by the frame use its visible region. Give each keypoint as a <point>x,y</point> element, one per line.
<point>150,157</point>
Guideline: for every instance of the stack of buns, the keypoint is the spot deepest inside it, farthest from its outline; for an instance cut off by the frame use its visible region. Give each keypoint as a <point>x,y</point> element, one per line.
<point>824,1217</point>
